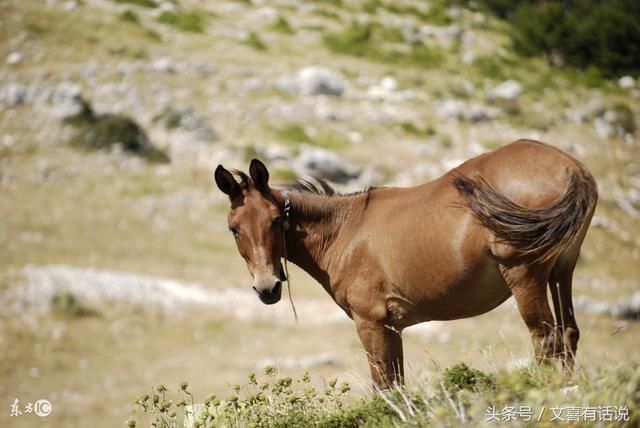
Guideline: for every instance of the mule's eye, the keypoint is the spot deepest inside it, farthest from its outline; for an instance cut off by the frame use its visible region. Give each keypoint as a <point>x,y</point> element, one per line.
<point>276,223</point>
<point>234,231</point>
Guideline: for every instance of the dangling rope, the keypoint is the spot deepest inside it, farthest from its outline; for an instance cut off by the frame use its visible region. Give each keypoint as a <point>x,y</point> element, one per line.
<point>287,211</point>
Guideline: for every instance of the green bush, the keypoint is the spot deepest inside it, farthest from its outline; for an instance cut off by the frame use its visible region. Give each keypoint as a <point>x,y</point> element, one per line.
<point>143,3</point>
<point>294,133</point>
<point>97,132</point>
<point>130,16</point>
<point>281,25</point>
<point>461,376</point>
<point>581,33</point>
<point>194,22</point>
<point>411,128</point>
<point>376,42</point>
<point>253,40</point>
<point>460,396</point>
<point>68,305</point>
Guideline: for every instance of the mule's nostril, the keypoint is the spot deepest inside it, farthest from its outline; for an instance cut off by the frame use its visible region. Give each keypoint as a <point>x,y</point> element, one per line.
<point>277,288</point>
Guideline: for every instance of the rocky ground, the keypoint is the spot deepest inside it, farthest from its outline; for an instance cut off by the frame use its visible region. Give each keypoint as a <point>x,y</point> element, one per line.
<point>108,249</point>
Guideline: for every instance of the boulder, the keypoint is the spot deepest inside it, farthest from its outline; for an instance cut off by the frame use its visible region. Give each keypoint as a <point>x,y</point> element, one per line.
<point>626,82</point>
<point>316,80</point>
<point>324,164</point>
<point>508,90</point>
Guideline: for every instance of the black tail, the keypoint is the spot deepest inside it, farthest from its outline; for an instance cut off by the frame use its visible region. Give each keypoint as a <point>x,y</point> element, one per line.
<point>542,233</point>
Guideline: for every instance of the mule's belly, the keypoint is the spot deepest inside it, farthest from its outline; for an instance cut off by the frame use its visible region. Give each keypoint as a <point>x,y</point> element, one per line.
<point>467,297</point>
<point>460,294</point>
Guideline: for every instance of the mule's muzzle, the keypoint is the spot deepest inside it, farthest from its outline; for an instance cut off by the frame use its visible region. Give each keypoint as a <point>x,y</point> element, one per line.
<point>270,296</point>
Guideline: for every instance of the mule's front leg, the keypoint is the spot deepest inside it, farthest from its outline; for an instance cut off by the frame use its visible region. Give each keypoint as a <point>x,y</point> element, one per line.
<point>383,346</point>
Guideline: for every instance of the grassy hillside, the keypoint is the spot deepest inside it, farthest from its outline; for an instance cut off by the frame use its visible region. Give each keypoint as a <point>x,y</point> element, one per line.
<point>92,229</point>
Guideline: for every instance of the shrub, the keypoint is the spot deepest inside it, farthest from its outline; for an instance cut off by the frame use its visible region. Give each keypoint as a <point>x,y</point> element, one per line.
<point>66,304</point>
<point>412,129</point>
<point>130,16</point>
<point>287,402</point>
<point>375,41</point>
<point>582,33</point>
<point>96,132</point>
<point>194,22</point>
<point>461,376</point>
<point>269,402</point>
<point>281,25</point>
<point>143,3</point>
<point>295,133</point>
<point>253,40</point>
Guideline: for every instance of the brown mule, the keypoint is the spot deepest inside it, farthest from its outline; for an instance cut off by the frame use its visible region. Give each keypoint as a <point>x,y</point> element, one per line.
<point>508,222</point>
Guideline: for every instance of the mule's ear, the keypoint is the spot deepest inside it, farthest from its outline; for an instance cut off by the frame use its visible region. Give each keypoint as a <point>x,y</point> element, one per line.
<point>259,175</point>
<point>226,182</point>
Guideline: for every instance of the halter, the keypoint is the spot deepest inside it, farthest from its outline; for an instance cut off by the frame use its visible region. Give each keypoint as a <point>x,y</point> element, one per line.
<point>287,213</point>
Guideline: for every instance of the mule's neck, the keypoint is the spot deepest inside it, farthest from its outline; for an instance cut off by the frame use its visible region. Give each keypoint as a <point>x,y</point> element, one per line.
<point>316,224</point>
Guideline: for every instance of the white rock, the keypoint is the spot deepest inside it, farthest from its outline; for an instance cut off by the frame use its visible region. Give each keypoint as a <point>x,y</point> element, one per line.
<point>71,5</point>
<point>164,65</point>
<point>268,14</point>
<point>324,164</point>
<point>467,87</point>
<point>507,90</point>
<point>167,6</point>
<point>305,362</point>
<point>13,94</point>
<point>626,82</point>
<point>569,389</point>
<point>389,83</point>
<point>627,308</point>
<point>468,57</point>
<point>603,128</point>
<point>317,80</point>
<point>15,58</point>
<point>460,110</point>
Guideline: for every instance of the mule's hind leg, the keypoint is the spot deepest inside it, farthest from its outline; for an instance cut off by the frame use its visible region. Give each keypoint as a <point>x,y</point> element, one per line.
<point>528,285</point>
<point>560,288</point>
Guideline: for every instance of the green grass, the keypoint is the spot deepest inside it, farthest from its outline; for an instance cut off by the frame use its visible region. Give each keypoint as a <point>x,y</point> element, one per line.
<point>281,25</point>
<point>382,44</point>
<point>294,133</point>
<point>130,16</point>
<point>411,128</point>
<point>105,131</point>
<point>142,3</point>
<point>68,305</point>
<point>459,396</point>
<point>253,40</point>
<point>194,22</point>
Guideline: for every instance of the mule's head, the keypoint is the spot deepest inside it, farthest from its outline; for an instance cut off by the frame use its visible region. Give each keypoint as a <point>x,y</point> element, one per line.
<point>257,224</point>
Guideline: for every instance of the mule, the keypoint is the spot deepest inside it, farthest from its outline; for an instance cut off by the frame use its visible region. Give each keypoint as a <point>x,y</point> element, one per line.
<point>508,222</point>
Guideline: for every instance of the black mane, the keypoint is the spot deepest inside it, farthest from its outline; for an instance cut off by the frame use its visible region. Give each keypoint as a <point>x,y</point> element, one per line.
<point>319,187</point>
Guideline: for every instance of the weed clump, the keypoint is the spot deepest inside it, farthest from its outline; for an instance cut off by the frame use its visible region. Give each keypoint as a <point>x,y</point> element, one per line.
<point>281,25</point>
<point>382,44</point>
<point>294,133</point>
<point>460,396</point>
<point>268,402</point>
<point>152,4</point>
<point>68,305</point>
<point>411,128</point>
<point>253,40</point>
<point>194,22</point>
<point>462,377</point>
<point>130,16</point>
<point>99,132</point>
